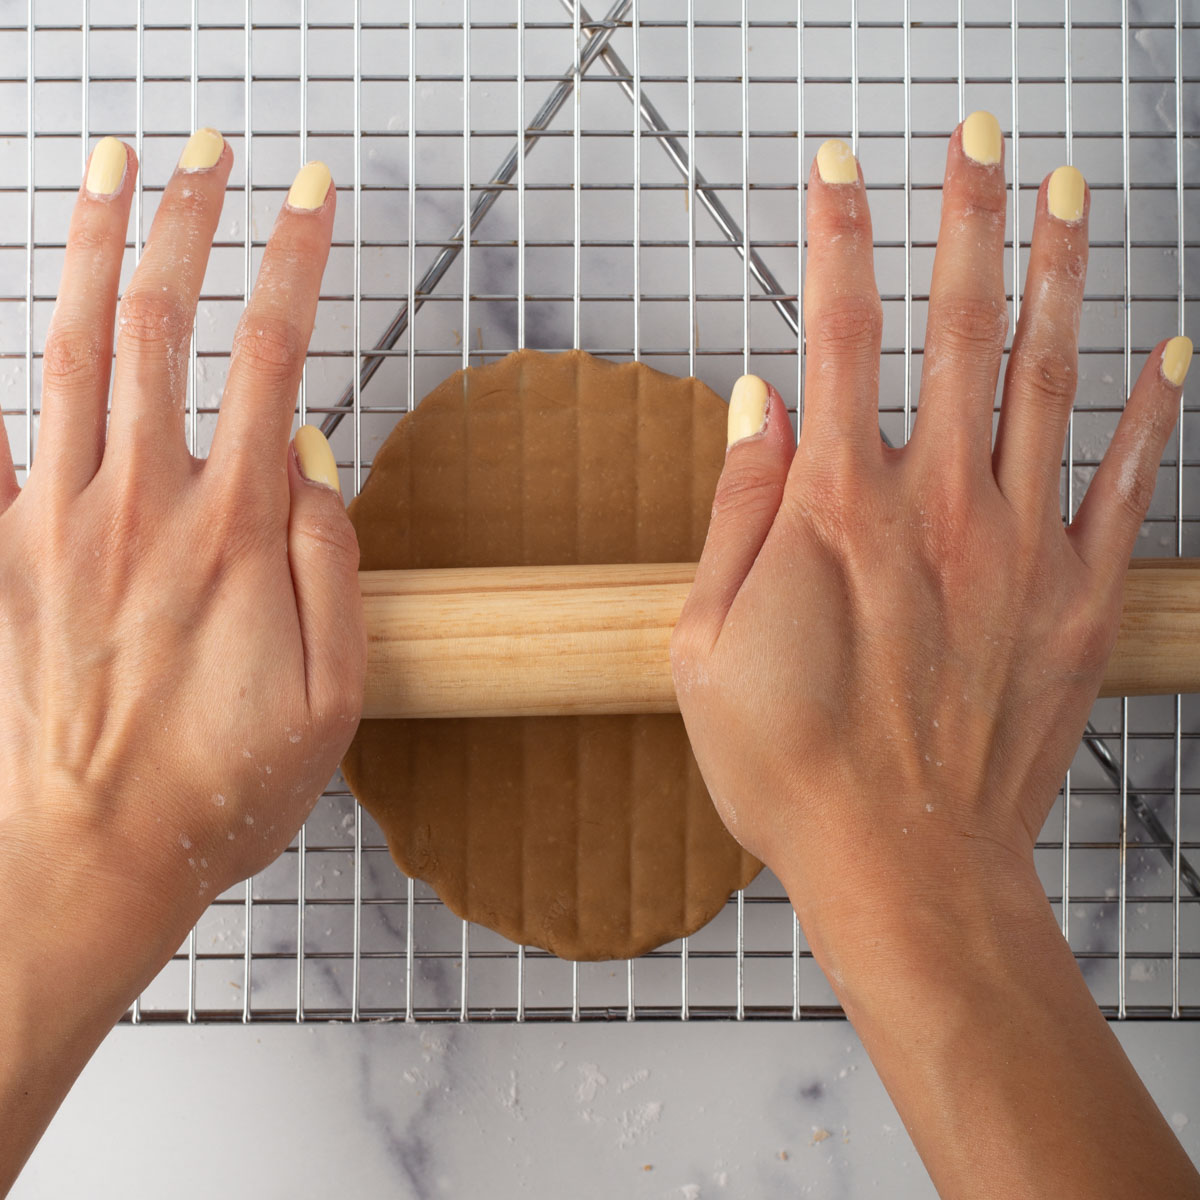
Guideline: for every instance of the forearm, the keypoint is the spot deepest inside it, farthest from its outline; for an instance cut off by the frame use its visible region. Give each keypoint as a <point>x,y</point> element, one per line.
<point>43,1047</point>
<point>985,1034</point>
<point>75,947</point>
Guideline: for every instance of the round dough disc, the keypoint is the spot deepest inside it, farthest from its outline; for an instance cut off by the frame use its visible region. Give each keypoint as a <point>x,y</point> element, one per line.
<point>592,837</point>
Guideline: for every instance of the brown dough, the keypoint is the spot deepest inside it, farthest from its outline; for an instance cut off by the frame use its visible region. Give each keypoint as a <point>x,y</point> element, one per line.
<point>593,837</point>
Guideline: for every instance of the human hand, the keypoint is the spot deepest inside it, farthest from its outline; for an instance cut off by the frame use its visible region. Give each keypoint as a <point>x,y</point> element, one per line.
<point>887,661</point>
<point>889,655</point>
<point>181,641</point>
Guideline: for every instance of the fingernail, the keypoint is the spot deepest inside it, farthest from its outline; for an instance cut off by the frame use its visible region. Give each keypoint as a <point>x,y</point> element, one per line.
<point>1064,196</point>
<point>1176,358</point>
<point>310,187</point>
<point>747,409</point>
<point>202,151</point>
<point>316,460</point>
<point>836,162</point>
<point>981,138</point>
<point>106,171</point>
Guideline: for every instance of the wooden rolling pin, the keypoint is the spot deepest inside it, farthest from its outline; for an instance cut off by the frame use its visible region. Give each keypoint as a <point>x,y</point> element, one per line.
<point>552,641</point>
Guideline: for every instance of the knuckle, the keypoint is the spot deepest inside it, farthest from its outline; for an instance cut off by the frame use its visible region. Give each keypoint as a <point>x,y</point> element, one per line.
<point>1049,380</point>
<point>152,318</point>
<point>952,530</point>
<point>689,653</point>
<point>840,506</point>
<point>72,355</point>
<point>1088,634</point>
<point>233,528</point>
<point>680,645</point>
<point>848,217</point>
<point>990,201</point>
<point>188,205</point>
<point>748,491</point>
<point>848,322</point>
<point>1135,488</point>
<point>270,346</point>
<point>92,234</point>
<point>294,242</point>
<point>970,324</point>
<point>333,536</point>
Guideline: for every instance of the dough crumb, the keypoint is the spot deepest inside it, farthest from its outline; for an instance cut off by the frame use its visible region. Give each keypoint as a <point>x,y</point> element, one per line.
<point>819,1135</point>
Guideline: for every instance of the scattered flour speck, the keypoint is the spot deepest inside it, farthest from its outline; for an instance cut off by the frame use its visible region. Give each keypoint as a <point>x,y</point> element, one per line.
<point>637,1122</point>
<point>591,1080</point>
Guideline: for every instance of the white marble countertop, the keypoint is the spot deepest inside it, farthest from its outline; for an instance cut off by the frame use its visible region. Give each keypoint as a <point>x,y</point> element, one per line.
<point>703,1111</point>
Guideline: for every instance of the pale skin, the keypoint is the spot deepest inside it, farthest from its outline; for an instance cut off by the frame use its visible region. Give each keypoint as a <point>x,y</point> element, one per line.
<point>170,629</point>
<point>181,642</point>
<point>895,761</point>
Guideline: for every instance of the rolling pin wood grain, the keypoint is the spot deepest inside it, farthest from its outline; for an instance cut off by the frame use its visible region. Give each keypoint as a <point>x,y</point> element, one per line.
<point>555,641</point>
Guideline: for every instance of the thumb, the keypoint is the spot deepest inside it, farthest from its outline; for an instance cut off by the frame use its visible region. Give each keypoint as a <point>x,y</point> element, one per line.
<point>323,552</point>
<point>760,449</point>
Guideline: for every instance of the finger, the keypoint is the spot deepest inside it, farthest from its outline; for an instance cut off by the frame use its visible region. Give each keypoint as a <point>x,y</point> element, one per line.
<point>1039,386</point>
<point>272,336</point>
<point>761,445</point>
<point>843,317</point>
<point>968,316</point>
<point>77,358</point>
<point>323,552</point>
<point>158,309</point>
<point>8,475</point>
<point>1106,526</point>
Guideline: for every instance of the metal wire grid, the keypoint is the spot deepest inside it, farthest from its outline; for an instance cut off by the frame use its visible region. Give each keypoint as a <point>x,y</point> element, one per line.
<point>653,206</point>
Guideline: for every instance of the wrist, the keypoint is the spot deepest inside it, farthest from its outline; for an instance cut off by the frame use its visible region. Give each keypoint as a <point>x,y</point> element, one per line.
<point>982,1028</point>
<point>88,921</point>
<point>919,917</point>
<point>77,943</point>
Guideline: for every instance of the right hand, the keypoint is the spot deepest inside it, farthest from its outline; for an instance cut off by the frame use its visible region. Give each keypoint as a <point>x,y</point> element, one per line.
<point>889,656</point>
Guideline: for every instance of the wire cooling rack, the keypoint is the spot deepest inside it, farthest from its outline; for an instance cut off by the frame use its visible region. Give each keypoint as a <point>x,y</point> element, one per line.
<point>656,213</point>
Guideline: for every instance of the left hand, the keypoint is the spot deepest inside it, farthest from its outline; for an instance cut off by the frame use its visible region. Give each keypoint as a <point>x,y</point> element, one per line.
<point>181,640</point>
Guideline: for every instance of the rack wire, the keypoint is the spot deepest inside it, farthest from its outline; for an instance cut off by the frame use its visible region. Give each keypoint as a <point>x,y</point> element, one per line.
<point>630,181</point>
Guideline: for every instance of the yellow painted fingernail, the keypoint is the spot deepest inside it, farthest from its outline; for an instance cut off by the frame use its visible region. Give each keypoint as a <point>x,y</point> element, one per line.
<point>1176,358</point>
<point>106,171</point>
<point>316,460</point>
<point>1064,196</point>
<point>747,409</point>
<point>836,162</point>
<point>981,138</point>
<point>310,187</point>
<point>202,151</point>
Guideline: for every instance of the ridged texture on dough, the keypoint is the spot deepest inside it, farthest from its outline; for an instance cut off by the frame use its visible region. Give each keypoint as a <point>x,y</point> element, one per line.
<point>592,837</point>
